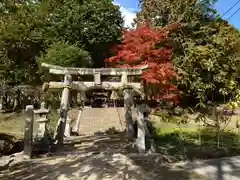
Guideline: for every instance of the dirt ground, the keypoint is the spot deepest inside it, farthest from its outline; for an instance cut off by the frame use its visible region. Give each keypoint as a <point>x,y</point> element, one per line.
<point>97,158</point>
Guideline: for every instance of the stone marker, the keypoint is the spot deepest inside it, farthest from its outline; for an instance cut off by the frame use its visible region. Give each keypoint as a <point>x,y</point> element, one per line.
<point>141,131</point>
<point>128,102</point>
<point>144,142</point>
<point>128,113</point>
<point>28,134</point>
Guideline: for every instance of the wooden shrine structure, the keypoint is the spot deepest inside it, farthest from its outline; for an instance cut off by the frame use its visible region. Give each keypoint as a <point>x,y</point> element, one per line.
<point>125,86</point>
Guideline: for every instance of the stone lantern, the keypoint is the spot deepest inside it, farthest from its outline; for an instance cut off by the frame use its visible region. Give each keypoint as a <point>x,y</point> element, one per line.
<point>42,121</point>
<point>83,97</point>
<point>114,96</point>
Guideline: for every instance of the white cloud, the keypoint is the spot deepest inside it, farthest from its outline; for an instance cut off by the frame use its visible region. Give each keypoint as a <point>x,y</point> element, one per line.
<point>128,15</point>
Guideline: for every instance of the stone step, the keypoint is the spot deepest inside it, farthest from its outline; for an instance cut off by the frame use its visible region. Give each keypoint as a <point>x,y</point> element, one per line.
<point>100,119</point>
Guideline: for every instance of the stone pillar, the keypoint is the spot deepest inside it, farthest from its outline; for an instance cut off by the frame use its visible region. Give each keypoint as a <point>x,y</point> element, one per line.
<point>128,102</point>
<point>128,112</point>
<point>68,127</point>
<point>141,130</point>
<point>59,134</point>
<point>28,134</point>
<point>77,124</point>
<point>82,99</point>
<point>144,142</point>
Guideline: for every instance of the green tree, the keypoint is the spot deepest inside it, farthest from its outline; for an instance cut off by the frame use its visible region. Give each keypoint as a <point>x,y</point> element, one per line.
<point>165,12</point>
<point>20,43</point>
<point>65,54</point>
<point>96,24</point>
<point>33,26</point>
<point>204,46</point>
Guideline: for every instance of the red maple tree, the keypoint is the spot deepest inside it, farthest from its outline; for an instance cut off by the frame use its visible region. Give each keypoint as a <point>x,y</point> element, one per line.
<point>147,46</point>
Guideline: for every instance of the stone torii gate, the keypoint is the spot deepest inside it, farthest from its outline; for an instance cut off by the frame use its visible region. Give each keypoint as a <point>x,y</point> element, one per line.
<point>83,86</point>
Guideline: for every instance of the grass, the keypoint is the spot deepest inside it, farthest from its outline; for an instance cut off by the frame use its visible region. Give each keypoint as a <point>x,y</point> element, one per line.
<point>12,124</point>
<point>194,141</point>
<point>190,143</point>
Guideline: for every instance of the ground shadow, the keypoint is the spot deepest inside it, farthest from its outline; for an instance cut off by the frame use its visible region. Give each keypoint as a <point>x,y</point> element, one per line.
<point>112,156</point>
<point>97,157</point>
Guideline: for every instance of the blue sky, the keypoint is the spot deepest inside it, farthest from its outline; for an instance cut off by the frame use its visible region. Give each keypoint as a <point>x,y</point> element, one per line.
<point>129,7</point>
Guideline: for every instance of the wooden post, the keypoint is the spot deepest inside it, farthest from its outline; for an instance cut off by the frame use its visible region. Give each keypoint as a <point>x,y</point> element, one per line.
<point>59,134</point>
<point>28,135</point>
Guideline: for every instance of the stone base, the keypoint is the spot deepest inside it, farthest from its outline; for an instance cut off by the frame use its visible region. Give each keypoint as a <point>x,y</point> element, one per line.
<point>68,128</point>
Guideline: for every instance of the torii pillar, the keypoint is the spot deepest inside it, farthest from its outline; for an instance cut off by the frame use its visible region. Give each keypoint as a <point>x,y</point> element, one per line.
<point>59,134</point>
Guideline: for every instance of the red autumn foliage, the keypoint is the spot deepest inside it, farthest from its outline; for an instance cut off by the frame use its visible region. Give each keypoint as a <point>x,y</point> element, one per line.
<point>145,45</point>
